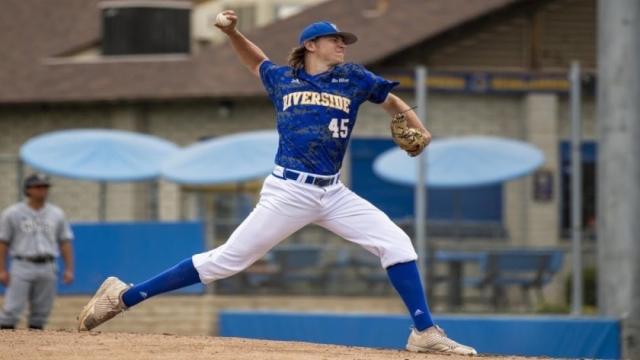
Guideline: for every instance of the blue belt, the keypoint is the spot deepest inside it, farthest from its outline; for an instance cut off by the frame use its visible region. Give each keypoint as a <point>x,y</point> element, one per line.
<point>305,178</point>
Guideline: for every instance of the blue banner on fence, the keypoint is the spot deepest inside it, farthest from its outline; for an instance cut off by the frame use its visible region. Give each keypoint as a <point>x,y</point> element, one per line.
<point>554,336</point>
<point>131,251</point>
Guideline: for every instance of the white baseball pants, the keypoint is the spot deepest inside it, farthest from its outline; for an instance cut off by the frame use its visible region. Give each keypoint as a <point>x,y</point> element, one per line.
<point>285,206</point>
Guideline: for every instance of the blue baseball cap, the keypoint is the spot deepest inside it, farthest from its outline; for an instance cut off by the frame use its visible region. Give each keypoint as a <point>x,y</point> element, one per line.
<point>325,28</point>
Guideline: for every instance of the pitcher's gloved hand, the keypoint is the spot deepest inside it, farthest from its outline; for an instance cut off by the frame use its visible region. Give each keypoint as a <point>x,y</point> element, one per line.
<point>411,140</point>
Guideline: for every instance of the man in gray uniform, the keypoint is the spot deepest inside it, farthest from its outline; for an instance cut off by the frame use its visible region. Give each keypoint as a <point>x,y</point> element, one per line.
<point>35,233</point>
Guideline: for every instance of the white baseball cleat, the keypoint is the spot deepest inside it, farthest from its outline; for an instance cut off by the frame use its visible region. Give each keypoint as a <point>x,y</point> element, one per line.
<point>104,305</point>
<point>434,340</point>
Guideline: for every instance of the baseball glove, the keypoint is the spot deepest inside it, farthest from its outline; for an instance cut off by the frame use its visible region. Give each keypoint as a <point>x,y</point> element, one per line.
<point>408,139</point>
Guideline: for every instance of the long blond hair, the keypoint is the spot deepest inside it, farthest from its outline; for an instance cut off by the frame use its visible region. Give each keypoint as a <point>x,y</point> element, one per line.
<point>296,57</point>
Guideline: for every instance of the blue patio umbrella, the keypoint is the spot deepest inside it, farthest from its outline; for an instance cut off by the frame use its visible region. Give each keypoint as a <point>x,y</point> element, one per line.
<point>226,159</point>
<point>97,154</point>
<point>463,162</point>
<point>102,155</point>
<point>458,163</point>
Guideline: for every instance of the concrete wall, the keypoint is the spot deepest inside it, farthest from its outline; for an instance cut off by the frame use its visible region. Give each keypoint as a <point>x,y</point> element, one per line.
<point>198,315</point>
<point>540,118</point>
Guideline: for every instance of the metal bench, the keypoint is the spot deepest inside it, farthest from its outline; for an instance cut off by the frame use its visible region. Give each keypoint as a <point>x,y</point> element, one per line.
<point>528,269</point>
<point>298,263</point>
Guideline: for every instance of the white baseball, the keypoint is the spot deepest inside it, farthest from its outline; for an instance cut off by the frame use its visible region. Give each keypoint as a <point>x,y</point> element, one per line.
<point>222,20</point>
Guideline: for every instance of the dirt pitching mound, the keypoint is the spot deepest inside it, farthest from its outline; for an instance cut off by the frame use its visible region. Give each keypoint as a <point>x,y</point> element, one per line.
<point>69,345</point>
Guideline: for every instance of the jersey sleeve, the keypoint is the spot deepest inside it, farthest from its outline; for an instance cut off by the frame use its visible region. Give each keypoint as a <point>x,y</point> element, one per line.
<point>379,87</point>
<point>64,230</point>
<point>268,75</point>
<point>6,231</point>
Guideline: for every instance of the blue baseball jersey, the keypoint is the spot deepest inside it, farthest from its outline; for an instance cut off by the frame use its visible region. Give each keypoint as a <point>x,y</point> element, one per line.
<point>315,114</point>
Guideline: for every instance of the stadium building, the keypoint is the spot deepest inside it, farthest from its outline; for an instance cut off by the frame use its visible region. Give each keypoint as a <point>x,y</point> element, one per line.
<point>496,67</point>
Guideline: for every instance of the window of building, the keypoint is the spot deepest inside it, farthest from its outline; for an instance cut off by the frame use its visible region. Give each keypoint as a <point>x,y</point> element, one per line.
<point>470,212</point>
<point>588,152</point>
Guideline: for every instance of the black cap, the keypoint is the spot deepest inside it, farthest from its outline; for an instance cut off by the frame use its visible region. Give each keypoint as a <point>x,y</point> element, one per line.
<point>36,180</point>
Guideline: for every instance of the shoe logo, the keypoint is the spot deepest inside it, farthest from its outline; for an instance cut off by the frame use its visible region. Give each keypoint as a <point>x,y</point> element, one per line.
<point>418,312</point>
<point>143,294</point>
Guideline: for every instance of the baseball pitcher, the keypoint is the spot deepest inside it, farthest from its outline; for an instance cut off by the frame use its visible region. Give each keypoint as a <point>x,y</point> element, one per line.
<point>316,98</point>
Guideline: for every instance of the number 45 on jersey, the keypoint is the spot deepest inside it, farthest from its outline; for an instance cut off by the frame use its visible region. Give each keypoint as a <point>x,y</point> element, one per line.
<point>339,128</point>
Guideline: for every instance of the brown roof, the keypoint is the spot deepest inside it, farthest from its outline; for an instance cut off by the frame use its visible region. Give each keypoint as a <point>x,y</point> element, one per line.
<point>33,32</point>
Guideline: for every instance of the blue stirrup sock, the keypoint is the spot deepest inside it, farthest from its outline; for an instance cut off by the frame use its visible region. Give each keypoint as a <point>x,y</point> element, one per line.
<point>406,280</point>
<point>181,275</point>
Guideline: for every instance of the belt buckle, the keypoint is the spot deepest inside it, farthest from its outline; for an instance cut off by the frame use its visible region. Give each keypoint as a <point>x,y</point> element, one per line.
<point>41,259</point>
<point>322,182</point>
